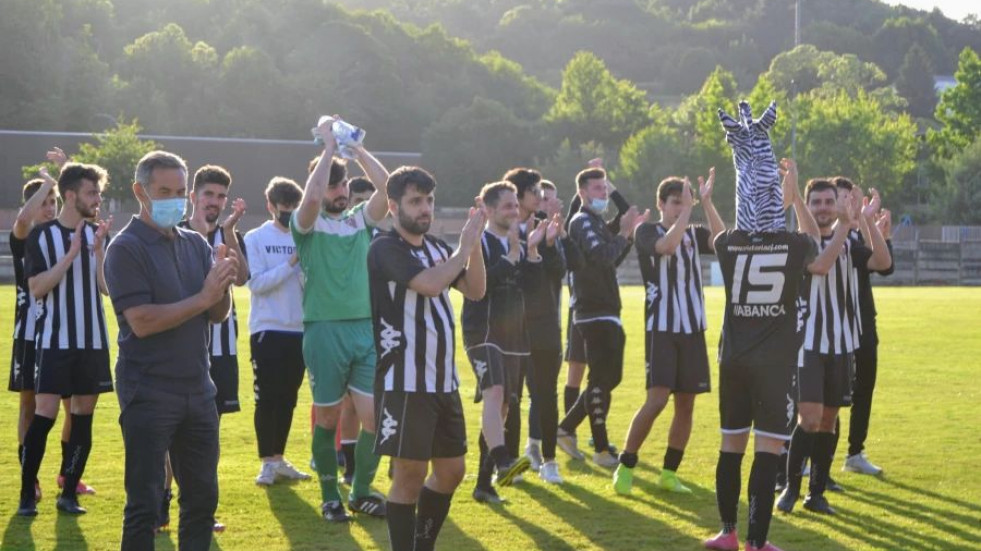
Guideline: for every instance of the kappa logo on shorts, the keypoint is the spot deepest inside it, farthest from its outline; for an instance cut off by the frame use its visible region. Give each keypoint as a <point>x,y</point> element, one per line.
<point>790,409</point>
<point>390,337</point>
<point>21,297</point>
<point>390,426</point>
<point>481,369</point>
<point>652,292</point>
<point>16,369</point>
<point>802,313</point>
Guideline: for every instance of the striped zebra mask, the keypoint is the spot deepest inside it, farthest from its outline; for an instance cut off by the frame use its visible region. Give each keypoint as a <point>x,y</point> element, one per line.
<point>759,196</point>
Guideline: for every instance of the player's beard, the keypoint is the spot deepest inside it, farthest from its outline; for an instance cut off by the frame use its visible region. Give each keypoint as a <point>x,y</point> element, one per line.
<point>414,225</point>
<point>211,215</point>
<point>337,206</point>
<point>84,211</point>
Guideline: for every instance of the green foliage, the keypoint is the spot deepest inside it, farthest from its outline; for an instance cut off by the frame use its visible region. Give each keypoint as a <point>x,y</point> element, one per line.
<point>958,199</point>
<point>857,138</point>
<point>117,150</point>
<point>568,160</point>
<point>594,105</point>
<point>474,145</point>
<point>915,82</point>
<point>959,110</point>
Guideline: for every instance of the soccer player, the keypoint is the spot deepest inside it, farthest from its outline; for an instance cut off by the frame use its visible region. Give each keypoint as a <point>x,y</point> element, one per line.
<point>416,387</point>
<point>867,355</point>
<point>596,310</point>
<point>763,272</point>
<point>276,329</point>
<point>494,332</point>
<point>360,190</point>
<point>63,267</point>
<point>830,337</point>
<point>677,362</point>
<point>537,200</point>
<point>209,195</point>
<point>575,351</point>
<point>332,243</point>
<point>167,286</point>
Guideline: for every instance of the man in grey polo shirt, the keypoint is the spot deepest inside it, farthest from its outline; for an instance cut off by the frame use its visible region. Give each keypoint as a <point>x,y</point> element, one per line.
<point>166,285</point>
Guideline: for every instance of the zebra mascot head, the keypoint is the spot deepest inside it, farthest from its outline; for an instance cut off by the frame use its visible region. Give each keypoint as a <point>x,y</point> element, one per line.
<point>759,196</point>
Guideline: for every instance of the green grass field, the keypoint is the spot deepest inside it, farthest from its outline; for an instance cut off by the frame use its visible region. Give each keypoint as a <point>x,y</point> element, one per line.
<point>924,433</point>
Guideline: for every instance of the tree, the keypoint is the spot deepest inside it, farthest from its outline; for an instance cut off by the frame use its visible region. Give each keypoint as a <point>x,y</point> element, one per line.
<point>470,146</point>
<point>652,154</point>
<point>117,150</point>
<point>915,82</point>
<point>594,105</point>
<point>958,199</point>
<point>857,138</point>
<point>959,110</point>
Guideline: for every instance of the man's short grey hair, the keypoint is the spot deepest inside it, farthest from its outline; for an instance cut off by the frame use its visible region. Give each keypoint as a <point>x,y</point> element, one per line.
<point>154,160</point>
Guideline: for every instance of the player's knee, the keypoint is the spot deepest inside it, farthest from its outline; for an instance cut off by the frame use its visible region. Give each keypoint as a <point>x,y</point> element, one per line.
<point>810,424</point>
<point>328,416</point>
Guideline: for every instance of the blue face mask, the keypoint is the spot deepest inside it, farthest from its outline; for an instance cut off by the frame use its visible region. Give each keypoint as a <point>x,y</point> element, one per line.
<point>166,213</point>
<point>598,205</point>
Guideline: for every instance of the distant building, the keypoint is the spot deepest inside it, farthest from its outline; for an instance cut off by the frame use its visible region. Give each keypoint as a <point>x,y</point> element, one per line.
<point>942,82</point>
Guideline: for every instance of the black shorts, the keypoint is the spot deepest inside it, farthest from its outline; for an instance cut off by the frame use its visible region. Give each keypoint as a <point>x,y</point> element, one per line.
<point>826,379</point>
<point>677,361</point>
<point>575,344</point>
<point>420,425</point>
<point>492,367</point>
<point>224,372</point>
<point>757,397</point>
<point>277,366</point>
<point>72,372</point>
<point>22,366</point>
<point>605,341</point>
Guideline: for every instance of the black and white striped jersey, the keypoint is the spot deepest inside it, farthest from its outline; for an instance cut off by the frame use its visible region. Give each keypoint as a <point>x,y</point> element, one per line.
<point>25,313</point>
<point>414,333</point>
<point>675,302</point>
<point>498,319</point>
<point>70,316</point>
<point>224,334</point>
<point>831,302</point>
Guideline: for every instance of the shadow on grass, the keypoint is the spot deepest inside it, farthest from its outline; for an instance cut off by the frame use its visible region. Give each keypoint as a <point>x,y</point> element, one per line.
<point>303,525</point>
<point>453,537</point>
<point>68,535</point>
<point>18,534</point>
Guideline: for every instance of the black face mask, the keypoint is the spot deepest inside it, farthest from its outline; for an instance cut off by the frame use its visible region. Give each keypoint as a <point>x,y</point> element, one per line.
<point>284,218</point>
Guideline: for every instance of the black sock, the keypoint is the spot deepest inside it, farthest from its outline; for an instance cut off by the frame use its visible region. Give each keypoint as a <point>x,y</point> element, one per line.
<point>598,405</point>
<point>834,447</point>
<point>512,429</point>
<point>782,465</point>
<point>801,444</point>
<point>65,454</point>
<point>79,446</point>
<point>401,519</point>
<point>485,468</point>
<point>761,480</point>
<point>34,443</point>
<point>575,414</point>
<point>672,459</point>
<point>433,508</point>
<point>821,462</point>
<point>628,459</point>
<point>500,457</point>
<point>728,479</point>
<point>347,448</point>
<point>569,398</point>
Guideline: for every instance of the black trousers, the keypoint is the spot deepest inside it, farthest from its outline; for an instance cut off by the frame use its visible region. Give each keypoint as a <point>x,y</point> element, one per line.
<point>152,422</point>
<point>277,369</point>
<point>866,366</point>
<point>543,380</point>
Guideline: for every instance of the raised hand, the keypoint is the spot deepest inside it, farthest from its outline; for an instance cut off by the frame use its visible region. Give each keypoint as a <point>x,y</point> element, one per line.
<point>788,171</point>
<point>705,187</point>
<point>686,195</point>
<point>101,231</point>
<point>595,163</point>
<point>47,175</point>
<point>221,275</point>
<point>57,156</point>
<point>845,210</point>
<point>536,232</point>
<point>473,228</point>
<point>76,244</point>
<point>554,228</point>
<point>324,130</point>
<point>514,242</point>
<point>884,223</point>
<point>238,209</point>
<point>871,206</point>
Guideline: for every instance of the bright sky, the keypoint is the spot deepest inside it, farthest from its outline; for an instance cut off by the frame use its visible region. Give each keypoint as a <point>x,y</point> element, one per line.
<point>954,9</point>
